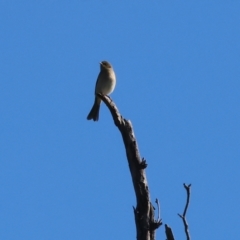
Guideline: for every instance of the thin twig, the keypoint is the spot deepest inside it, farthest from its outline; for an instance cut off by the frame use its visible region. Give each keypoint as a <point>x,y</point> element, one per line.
<point>158,205</point>
<point>183,216</point>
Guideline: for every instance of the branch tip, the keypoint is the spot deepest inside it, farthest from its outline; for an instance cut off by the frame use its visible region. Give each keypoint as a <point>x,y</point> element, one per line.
<point>183,216</point>
<point>169,233</point>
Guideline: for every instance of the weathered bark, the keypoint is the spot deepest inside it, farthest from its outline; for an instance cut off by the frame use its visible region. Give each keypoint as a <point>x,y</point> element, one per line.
<point>146,225</point>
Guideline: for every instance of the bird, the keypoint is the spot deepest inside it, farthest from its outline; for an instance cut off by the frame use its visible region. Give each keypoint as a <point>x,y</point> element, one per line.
<point>105,84</point>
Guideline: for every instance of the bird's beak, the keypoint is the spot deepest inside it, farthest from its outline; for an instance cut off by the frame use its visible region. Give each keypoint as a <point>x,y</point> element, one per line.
<point>100,63</point>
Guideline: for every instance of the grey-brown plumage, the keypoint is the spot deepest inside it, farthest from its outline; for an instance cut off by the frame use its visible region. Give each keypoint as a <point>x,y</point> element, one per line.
<point>105,84</point>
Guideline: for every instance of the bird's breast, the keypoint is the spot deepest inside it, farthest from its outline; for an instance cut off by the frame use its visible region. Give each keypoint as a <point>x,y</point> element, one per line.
<point>106,83</point>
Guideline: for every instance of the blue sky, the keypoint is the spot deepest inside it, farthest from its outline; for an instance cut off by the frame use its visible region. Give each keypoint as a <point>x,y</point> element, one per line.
<point>177,66</point>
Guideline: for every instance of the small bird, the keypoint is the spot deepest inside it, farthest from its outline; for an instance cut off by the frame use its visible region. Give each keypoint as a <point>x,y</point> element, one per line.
<point>105,84</point>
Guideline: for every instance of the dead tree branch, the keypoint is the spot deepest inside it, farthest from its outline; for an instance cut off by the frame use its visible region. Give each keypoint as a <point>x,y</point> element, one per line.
<point>183,216</point>
<point>144,211</point>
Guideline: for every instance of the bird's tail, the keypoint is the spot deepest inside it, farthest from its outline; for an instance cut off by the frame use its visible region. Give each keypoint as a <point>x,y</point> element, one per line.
<point>94,113</point>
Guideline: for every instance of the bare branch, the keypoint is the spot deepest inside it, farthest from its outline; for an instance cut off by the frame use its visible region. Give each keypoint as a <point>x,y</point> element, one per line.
<point>183,216</point>
<point>158,205</point>
<point>143,212</point>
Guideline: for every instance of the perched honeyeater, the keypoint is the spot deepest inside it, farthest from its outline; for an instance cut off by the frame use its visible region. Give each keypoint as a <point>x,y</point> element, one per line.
<point>105,84</point>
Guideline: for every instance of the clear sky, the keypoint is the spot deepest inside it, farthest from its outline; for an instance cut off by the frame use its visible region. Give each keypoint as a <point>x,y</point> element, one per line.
<point>178,81</point>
